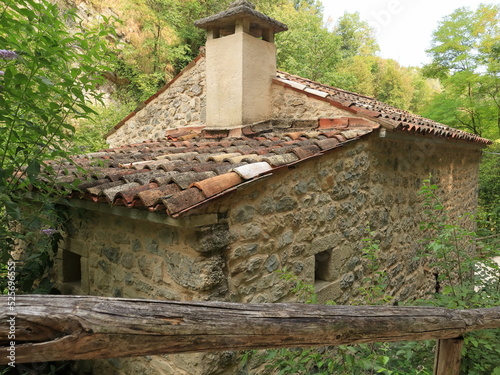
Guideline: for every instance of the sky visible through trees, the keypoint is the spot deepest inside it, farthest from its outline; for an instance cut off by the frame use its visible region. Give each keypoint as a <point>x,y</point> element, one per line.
<point>403,27</point>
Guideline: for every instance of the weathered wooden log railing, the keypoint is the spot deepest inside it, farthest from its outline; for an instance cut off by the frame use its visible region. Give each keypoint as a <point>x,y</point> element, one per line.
<point>54,328</point>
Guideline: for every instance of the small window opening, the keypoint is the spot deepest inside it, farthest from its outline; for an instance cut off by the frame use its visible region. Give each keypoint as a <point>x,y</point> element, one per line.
<point>72,268</point>
<point>226,31</point>
<point>322,265</point>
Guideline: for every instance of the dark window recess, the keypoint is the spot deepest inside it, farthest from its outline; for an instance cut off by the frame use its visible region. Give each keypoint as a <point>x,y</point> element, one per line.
<point>322,265</point>
<point>72,268</point>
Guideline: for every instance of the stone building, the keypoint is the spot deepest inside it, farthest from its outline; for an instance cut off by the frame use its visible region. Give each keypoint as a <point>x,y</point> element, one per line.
<point>235,170</point>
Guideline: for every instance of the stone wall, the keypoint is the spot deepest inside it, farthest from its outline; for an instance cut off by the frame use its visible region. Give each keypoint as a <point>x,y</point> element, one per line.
<point>123,257</point>
<point>311,220</point>
<point>288,103</point>
<point>107,255</point>
<point>181,104</point>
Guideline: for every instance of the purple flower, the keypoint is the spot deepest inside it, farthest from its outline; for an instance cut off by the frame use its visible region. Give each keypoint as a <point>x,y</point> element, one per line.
<point>8,55</point>
<point>1,73</point>
<point>49,232</point>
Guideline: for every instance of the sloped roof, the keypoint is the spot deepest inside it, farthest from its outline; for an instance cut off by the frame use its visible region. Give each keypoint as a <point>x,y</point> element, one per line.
<point>189,168</point>
<point>387,115</point>
<point>237,10</point>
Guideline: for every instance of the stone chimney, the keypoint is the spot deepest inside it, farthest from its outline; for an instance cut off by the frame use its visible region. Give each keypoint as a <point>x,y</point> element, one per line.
<point>240,65</point>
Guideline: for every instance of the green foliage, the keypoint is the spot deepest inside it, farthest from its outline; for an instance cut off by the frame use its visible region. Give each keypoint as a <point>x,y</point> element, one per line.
<point>465,51</point>
<point>386,80</point>
<point>89,133</point>
<point>489,196</point>
<point>374,285</point>
<point>180,16</point>
<point>356,36</point>
<point>49,75</point>
<point>308,48</point>
<point>467,280</point>
<point>303,291</point>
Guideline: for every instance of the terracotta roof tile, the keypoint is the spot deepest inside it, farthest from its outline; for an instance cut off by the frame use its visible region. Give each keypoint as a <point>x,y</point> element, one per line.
<point>169,166</point>
<point>223,157</point>
<point>328,123</point>
<point>279,160</point>
<point>218,184</point>
<point>203,157</point>
<point>312,135</point>
<point>305,152</point>
<point>129,195</point>
<point>226,167</point>
<point>98,189</point>
<point>340,138</point>
<point>332,133</point>
<point>183,200</point>
<point>328,143</point>
<point>153,196</point>
<point>122,174</point>
<point>350,134</point>
<point>181,156</point>
<point>285,149</point>
<point>246,158</point>
<point>184,180</point>
<point>294,135</point>
<point>111,192</point>
<point>91,183</point>
<point>250,171</point>
<point>143,178</point>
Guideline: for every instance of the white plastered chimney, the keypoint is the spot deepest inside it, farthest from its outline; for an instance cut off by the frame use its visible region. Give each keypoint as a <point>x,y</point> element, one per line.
<point>240,65</point>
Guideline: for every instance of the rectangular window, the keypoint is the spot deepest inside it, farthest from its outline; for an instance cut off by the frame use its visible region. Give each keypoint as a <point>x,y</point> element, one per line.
<point>322,266</point>
<point>72,267</point>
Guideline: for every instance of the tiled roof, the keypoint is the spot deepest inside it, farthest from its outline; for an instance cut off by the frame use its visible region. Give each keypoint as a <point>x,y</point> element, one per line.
<point>385,114</point>
<point>190,168</point>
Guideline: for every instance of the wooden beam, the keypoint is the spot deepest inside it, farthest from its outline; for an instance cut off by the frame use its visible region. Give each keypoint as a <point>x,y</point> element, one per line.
<point>53,328</point>
<point>448,356</point>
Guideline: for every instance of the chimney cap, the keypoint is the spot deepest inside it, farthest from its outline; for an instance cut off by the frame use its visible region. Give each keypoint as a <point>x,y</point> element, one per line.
<point>240,9</point>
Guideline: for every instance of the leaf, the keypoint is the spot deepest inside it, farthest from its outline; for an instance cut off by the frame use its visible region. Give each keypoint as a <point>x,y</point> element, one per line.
<point>33,170</point>
<point>46,81</point>
<point>12,209</point>
<point>20,79</point>
<point>75,72</point>
<point>28,13</point>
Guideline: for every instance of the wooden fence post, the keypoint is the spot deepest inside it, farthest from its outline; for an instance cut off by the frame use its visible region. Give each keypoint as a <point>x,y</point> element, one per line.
<point>448,356</point>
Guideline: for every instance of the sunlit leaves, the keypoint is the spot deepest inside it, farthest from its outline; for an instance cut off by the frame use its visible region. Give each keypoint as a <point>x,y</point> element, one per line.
<point>49,75</point>
<point>465,51</point>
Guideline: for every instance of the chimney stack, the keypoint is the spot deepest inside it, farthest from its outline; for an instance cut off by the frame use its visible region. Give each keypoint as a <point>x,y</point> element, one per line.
<point>240,65</point>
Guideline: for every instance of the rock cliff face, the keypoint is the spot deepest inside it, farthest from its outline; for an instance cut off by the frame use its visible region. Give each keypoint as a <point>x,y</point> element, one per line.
<point>138,28</point>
